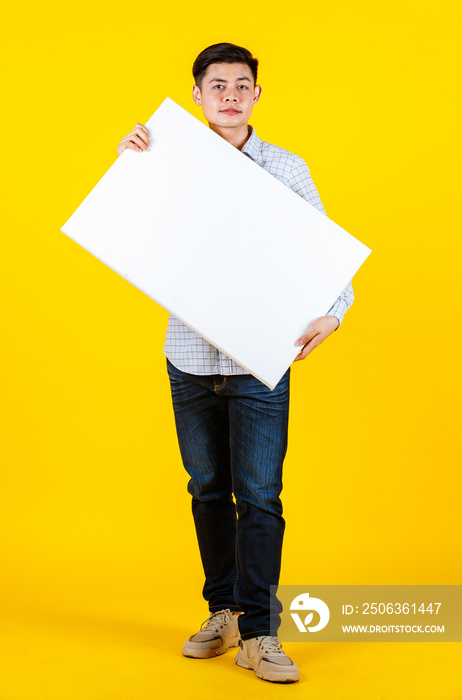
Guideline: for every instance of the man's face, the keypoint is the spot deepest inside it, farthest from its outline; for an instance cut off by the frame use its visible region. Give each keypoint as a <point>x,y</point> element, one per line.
<point>228,94</point>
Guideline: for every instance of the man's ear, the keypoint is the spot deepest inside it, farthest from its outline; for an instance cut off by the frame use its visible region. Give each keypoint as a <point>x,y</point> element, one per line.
<point>197,95</point>
<point>257,94</point>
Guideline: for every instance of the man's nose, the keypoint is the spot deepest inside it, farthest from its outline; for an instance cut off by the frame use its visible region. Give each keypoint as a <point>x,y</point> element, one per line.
<point>231,96</point>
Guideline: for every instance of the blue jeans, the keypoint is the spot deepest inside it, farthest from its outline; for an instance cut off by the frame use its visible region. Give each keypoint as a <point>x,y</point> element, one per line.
<point>232,434</point>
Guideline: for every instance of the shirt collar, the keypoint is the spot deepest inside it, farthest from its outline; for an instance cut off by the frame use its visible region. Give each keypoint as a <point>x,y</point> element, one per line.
<point>252,146</point>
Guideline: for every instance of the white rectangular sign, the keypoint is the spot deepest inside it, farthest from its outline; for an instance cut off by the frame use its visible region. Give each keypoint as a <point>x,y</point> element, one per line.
<point>218,241</point>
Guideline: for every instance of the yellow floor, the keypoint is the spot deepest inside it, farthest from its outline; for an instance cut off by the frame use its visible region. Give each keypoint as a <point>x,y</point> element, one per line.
<point>134,654</point>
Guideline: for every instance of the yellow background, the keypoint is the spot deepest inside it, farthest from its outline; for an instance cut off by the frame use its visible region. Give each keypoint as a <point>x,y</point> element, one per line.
<point>100,578</point>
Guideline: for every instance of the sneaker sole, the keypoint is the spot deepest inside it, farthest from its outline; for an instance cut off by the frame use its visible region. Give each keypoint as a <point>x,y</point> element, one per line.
<point>193,652</point>
<point>274,677</point>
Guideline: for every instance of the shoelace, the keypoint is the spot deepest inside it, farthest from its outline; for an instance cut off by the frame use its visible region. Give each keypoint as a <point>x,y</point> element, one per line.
<point>216,620</point>
<point>270,645</point>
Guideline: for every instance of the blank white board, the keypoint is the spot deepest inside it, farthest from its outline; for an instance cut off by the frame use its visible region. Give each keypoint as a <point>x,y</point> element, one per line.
<point>218,241</point>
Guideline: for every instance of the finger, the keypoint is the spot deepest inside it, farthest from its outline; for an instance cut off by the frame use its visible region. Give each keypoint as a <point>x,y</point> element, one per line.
<point>143,127</point>
<point>307,337</point>
<point>142,133</point>
<point>139,137</point>
<point>299,357</point>
<point>309,347</point>
<point>134,142</point>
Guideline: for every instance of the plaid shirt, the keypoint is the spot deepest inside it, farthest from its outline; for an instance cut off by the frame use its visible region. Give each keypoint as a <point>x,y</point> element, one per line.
<point>187,350</point>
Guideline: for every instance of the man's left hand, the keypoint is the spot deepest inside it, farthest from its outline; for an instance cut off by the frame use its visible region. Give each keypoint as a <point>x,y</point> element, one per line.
<point>318,331</point>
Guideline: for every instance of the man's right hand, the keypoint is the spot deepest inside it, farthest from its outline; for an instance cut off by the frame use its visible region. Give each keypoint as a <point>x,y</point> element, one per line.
<point>137,140</point>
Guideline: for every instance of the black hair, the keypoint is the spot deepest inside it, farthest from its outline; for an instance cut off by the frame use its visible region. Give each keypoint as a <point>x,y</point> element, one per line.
<point>223,53</point>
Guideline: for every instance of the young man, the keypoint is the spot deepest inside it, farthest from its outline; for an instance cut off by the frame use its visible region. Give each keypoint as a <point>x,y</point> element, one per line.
<point>232,429</point>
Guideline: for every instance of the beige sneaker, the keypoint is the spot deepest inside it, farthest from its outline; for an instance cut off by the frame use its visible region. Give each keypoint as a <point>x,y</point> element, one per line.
<point>265,657</point>
<point>219,634</point>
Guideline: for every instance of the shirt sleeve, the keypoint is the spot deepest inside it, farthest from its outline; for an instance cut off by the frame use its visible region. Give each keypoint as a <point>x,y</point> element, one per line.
<point>300,182</point>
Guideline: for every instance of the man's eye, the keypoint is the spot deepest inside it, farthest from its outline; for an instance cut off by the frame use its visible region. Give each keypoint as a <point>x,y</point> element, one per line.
<point>244,86</point>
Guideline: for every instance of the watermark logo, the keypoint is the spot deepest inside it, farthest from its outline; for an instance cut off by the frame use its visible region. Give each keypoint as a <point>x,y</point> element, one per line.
<point>360,613</point>
<point>304,602</point>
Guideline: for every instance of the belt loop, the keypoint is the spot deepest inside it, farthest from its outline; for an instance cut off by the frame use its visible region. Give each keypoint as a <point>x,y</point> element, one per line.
<point>218,387</point>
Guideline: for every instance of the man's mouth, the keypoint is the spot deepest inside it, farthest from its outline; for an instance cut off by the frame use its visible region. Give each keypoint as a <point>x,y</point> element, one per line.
<point>229,111</point>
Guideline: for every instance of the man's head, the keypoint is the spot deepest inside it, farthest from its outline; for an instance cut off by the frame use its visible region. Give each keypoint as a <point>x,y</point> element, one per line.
<point>226,89</point>
<point>223,53</point>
